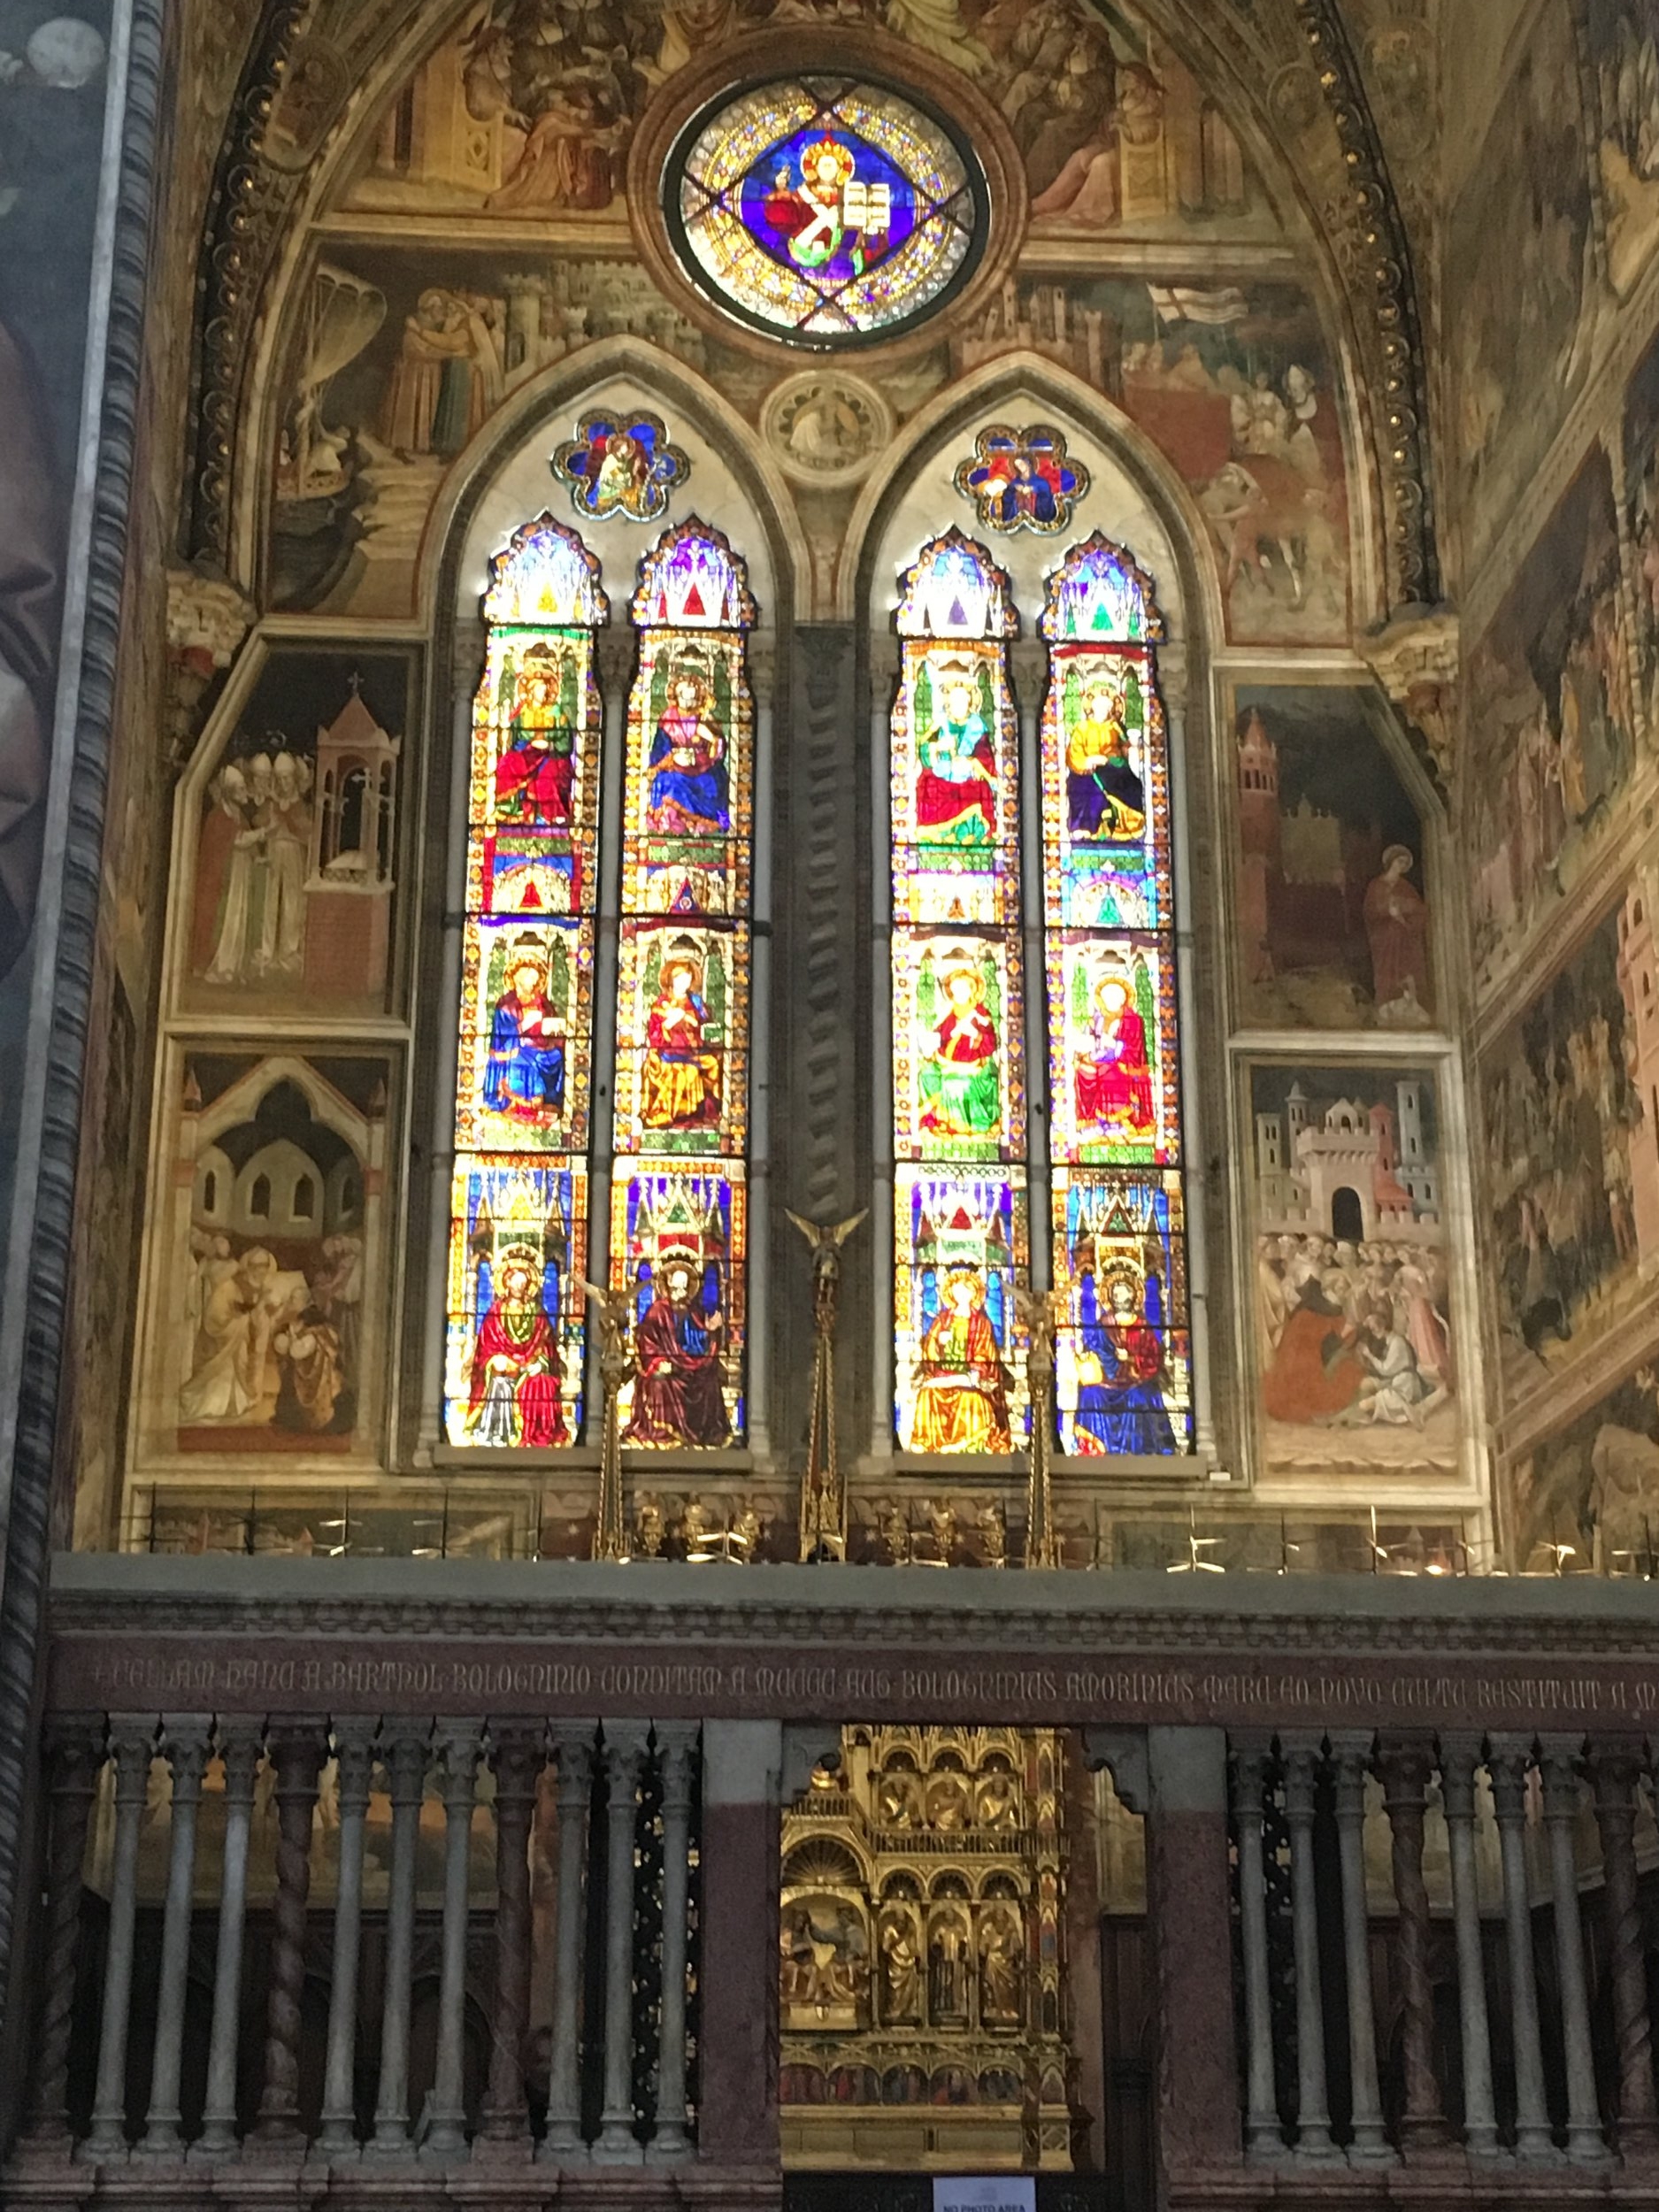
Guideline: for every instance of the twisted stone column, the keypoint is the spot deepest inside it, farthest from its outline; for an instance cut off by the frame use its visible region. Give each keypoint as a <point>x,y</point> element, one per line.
<point>74,1758</point>
<point>297,1749</point>
<point>624,1754</point>
<point>1406,1766</point>
<point>518,1755</point>
<point>1262,2135</point>
<point>132,1745</point>
<point>238,1747</point>
<point>1351,1755</point>
<point>1559,1765</point>
<point>406,1775</point>
<point>1313,2114</point>
<point>1616,1772</point>
<point>1508,1759</point>
<point>446,2132</point>
<point>354,1770</point>
<point>573,1741</point>
<point>676,1741</point>
<point>1460,1755</point>
<point>184,1737</point>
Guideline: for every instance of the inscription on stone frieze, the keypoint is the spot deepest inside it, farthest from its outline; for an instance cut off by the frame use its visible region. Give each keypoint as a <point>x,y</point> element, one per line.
<point>118,1674</point>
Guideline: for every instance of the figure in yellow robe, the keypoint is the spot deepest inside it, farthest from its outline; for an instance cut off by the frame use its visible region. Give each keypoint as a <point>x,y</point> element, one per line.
<point>962,1386</point>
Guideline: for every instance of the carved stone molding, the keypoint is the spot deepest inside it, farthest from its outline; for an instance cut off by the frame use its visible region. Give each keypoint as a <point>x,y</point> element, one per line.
<point>1417,660</point>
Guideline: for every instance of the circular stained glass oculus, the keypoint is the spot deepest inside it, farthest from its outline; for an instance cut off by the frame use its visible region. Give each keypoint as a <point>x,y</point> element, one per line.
<point>830,212</point>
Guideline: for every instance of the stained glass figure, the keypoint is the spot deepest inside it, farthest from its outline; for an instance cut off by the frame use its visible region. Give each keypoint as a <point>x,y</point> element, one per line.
<point>827,211</point>
<point>682,1024</point>
<point>961,1240</point>
<point>678,1242</point>
<point>1124,1365</point>
<point>1021,479</point>
<point>514,1350</point>
<point>620,463</point>
<point>958,1003</point>
<point>513,1366</point>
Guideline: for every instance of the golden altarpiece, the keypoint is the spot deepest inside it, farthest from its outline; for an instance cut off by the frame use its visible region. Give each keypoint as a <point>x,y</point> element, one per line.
<point>922,1982</point>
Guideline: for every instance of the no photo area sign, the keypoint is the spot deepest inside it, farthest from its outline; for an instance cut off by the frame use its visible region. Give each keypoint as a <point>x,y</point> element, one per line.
<point>991,2193</point>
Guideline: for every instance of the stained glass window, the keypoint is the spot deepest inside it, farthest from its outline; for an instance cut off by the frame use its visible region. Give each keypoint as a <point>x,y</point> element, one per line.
<point>513,1358</point>
<point>959,1107</point>
<point>826,210</point>
<point>678,1227</point>
<point>1123,1383</point>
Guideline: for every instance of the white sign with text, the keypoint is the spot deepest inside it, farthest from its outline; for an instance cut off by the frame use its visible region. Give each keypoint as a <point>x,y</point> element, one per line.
<point>990,2193</point>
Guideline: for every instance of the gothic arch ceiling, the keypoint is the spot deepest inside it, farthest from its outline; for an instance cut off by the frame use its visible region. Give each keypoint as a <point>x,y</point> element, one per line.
<point>1294,80</point>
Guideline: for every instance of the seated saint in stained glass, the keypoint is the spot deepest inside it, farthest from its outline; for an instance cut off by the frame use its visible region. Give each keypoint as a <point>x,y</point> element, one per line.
<point>678,1398</point>
<point>524,1074</point>
<point>1113,1078</point>
<point>680,1082</point>
<point>961,1091</point>
<point>535,775</point>
<point>961,1383</point>
<point>1106,799</point>
<point>515,1391</point>
<point>828,209</point>
<point>689,794</point>
<point>956,784</point>
<point>1119,1369</point>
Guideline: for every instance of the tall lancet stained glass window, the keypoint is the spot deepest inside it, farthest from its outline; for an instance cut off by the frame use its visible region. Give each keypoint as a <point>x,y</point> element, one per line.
<point>1124,1367</point>
<point>678,1224</point>
<point>517,1239</point>
<point>959,1089</point>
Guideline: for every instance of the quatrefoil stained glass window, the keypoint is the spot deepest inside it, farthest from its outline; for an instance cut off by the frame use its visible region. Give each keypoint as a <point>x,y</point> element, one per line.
<point>828,211</point>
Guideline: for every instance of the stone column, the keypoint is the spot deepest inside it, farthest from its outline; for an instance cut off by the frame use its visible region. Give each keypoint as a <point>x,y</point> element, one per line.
<point>737,2117</point>
<point>757,1393</point>
<point>297,1749</point>
<point>406,1775</point>
<point>1351,1755</point>
<point>1030,659</point>
<point>885,663</point>
<point>1313,2117</point>
<point>573,1741</point>
<point>184,1740</point>
<point>676,1745</point>
<point>1460,1755</point>
<point>131,1745</point>
<point>614,650</point>
<point>354,1769</point>
<point>1559,1763</point>
<point>458,1747</point>
<point>75,1758</point>
<point>518,1751</point>
<point>1406,1766</point>
<point>1508,1760</point>
<point>1616,1770</point>
<point>239,1748</point>
<point>626,1746</point>
<point>1189,1908</point>
<point>1262,2132</point>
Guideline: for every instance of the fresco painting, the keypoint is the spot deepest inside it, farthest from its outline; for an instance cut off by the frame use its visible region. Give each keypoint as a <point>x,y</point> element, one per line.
<point>530,113</point>
<point>1593,1486</point>
<point>1570,1096</point>
<point>1641,494</point>
<point>296,851</point>
<point>1533,303</point>
<point>1334,920</point>
<point>1623,38</point>
<point>275,1288</point>
<point>1355,1359</point>
<point>1553,722</point>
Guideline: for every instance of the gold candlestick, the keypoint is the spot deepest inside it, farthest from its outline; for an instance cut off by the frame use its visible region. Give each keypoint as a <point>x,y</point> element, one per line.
<point>611,1310</point>
<point>1038,1316</point>
<point>823,1493</point>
